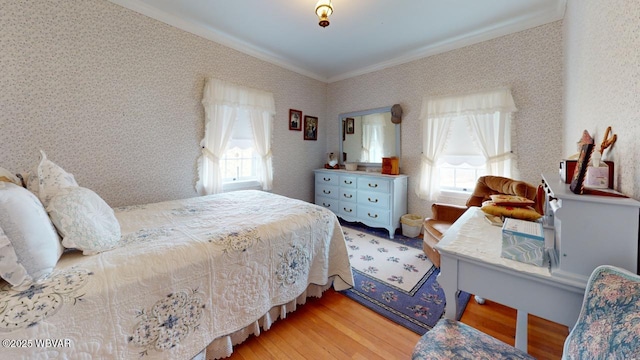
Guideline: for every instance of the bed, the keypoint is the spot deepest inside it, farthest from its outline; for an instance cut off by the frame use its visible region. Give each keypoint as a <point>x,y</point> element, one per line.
<point>186,276</point>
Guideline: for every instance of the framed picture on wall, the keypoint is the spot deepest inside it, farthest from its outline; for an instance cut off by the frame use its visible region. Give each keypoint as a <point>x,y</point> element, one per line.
<point>295,119</point>
<point>350,126</point>
<point>310,127</point>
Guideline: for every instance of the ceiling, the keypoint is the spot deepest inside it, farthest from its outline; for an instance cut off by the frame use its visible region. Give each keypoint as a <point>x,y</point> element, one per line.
<point>364,35</point>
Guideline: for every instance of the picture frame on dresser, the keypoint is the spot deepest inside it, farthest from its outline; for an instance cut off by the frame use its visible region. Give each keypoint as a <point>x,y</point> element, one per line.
<point>577,182</point>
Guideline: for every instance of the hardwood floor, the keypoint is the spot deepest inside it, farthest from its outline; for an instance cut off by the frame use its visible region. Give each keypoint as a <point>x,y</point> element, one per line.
<point>336,327</point>
<point>545,339</point>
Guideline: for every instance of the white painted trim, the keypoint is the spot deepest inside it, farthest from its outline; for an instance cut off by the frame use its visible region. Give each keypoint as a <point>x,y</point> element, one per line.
<point>515,25</point>
<point>215,36</point>
<point>241,185</point>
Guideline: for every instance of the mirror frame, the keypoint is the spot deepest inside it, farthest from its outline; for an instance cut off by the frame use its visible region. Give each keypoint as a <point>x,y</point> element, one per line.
<point>362,113</point>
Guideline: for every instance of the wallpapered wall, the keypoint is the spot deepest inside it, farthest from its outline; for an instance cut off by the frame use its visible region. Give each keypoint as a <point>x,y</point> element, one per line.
<point>602,81</point>
<point>530,62</point>
<point>114,98</point>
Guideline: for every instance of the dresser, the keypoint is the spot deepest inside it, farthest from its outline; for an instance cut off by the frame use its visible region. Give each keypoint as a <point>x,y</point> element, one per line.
<point>373,199</point>
<point>589,230</point>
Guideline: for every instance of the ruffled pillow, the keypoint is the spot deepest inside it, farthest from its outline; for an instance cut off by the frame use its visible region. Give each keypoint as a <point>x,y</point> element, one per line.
<point>520,212</point>
<point>7,176</point>
<point>29,245</point>
<point>511,200</point>
<point>47,178</point>
<point>84,220</point>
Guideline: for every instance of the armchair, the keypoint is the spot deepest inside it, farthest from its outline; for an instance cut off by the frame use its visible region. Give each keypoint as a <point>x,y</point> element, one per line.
<point>608,326</point>
<point>443,215</point>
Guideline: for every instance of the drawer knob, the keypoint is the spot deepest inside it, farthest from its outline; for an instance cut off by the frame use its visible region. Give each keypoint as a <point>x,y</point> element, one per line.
<point>373,185</point>
<point>326,179</point>
<point>348,210</point>
<point>373,201</point>
<point>348,182</point>
<point>326,205</point>
<point>375,216</point>
<point>326,191</point>
<point>348,196</point>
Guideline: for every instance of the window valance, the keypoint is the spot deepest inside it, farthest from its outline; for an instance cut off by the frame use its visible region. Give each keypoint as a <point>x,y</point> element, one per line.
<point>220,92</point>
<point>488,102</point>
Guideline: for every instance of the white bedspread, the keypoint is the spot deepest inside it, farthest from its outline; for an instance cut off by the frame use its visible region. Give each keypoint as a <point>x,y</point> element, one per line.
<point>186,273</point>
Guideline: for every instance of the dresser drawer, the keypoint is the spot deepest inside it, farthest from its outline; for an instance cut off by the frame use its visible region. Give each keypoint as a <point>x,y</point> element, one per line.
<point>348,209</point>
<point>374,199</point>
<point>373,184</point>
<point>329,203</point>
<point>327,191</point>
<point>375,215</point>
<point>349,195</point>
<point>327,179</point>
<point>348,182</point>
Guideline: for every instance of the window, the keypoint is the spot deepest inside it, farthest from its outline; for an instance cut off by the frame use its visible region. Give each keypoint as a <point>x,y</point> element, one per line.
<point>461,162</point>
<point>239,163</point>
<point>464,137</point>
<point>236,148</point>
<point>460,178</point>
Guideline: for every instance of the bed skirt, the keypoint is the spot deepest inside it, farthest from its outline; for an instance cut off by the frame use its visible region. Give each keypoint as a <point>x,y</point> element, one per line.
<point>222,347</point>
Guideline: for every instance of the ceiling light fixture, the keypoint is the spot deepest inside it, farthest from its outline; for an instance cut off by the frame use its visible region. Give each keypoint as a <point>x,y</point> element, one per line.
<point>324,9</point>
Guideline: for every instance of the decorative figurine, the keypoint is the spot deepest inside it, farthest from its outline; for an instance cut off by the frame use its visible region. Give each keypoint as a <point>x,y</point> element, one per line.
<point>332,161</point>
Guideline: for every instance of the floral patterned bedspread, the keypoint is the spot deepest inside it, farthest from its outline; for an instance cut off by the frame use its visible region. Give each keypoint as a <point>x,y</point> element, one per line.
<point>186,272</point>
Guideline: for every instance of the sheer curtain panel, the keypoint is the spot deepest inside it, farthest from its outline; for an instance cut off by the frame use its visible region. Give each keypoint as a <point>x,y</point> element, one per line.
<point>222,102</point>
<point>262,126</point>
<point>489,114</point>
<point>372,138</point>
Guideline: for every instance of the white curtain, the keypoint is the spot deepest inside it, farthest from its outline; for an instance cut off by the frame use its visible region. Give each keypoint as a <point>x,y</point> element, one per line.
<point>262,125</point>
<point>372,138</point>
<point>434,138</point>
<point>493,135</point>
<point>490,116</point>
<point>222,102</point>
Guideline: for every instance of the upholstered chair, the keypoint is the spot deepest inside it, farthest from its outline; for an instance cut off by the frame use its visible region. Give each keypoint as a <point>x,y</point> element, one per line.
<point>608,326</point>
<point>444,215</point>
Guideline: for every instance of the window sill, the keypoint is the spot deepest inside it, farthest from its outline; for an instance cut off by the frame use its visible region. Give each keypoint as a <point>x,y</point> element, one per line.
<point>241,185</point>
<point>456,193</point>
<point>453,197</point>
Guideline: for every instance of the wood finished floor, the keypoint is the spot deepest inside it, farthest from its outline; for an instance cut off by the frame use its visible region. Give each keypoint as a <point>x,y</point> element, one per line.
<point>336,327</point>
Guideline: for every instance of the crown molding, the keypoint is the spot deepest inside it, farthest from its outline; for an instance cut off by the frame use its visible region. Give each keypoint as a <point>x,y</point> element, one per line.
<point>215,36</point>
<point>504,28</point>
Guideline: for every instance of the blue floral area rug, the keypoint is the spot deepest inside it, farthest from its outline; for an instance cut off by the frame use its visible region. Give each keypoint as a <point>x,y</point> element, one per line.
<point>394,278</point>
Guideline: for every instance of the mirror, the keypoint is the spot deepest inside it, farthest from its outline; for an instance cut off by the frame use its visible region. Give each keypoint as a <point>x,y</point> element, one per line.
<point>367,136</point>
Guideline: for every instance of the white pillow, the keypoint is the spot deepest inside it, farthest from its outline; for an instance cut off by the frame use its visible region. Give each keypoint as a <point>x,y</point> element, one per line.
<point>47,178</point>
<point>29,245</point>
<point>84,220</point>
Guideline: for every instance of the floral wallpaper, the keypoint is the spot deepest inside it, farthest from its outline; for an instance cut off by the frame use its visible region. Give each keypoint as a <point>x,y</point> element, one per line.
<point>602,82</point>
<point>530,62</point>
<point>113,97</point>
